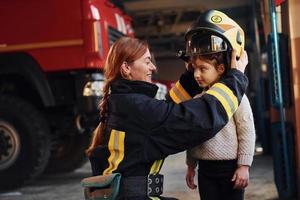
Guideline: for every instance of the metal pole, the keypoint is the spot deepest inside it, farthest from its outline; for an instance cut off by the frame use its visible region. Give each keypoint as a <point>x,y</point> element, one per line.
<point>278,96</point>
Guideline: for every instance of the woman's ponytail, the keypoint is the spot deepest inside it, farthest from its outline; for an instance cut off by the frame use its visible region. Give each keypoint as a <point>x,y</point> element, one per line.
<point>98,133</point>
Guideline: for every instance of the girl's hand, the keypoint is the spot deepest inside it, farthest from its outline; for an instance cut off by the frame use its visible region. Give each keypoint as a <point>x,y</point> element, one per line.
<point>241,177</point>
<point>241,63</point>
<point>189,178</point>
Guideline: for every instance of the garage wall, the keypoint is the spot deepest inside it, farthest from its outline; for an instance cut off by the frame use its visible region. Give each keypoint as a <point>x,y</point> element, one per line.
<point>169,69</point>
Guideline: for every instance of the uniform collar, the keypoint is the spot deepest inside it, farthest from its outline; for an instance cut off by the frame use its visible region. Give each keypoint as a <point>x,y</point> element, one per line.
<point>123,86</point>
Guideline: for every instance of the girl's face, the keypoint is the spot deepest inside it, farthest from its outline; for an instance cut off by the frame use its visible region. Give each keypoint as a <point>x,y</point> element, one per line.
<point>142,69</point>
<point>205,73</point>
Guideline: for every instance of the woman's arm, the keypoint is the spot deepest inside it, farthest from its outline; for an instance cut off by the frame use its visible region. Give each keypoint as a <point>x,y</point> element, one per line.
<point>184,89</point>
<point>177,127</point>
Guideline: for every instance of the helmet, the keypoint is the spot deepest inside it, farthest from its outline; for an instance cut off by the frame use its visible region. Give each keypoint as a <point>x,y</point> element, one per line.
<point>214,32</point>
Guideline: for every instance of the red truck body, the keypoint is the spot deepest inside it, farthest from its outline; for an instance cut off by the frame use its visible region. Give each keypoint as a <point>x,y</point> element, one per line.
<point>51,59</point>
<point>61,35</point>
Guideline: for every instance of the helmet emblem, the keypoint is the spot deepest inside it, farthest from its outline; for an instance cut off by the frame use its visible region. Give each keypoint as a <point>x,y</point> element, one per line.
<point>216,19</point>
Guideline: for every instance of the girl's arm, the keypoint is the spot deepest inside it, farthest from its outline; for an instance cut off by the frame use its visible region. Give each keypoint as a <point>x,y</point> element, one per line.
<point>190,171</point>
<point>246,142</point>
<point>245,132</point>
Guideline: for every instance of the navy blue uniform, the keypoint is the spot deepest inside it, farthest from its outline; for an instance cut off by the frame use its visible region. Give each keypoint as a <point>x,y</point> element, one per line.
<point>141,131</point>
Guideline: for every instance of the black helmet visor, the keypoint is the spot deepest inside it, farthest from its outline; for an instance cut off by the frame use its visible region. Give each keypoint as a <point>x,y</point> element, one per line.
<point>199,44</point>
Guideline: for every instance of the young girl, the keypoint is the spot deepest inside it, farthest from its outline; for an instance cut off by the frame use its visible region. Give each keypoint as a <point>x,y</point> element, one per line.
<point>223,161</point>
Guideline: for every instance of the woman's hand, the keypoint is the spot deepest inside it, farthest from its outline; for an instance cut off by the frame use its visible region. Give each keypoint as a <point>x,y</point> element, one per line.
<point>241,63</point>
<point>241,177</point>
<point>189,178</point>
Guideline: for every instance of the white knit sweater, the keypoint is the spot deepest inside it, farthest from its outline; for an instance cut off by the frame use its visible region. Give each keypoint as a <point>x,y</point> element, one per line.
<point>235,141</point>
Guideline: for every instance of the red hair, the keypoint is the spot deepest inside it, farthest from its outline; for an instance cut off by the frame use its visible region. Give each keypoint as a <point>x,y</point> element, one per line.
<point>125,49</point>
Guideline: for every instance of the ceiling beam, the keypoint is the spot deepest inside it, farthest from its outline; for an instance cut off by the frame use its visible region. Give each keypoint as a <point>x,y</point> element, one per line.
<point>176,29</point>
<point>159,5</point>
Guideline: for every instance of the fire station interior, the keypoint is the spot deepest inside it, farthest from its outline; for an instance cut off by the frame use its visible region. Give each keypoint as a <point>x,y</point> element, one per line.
<point>164,23</point>
<point>272,44</point>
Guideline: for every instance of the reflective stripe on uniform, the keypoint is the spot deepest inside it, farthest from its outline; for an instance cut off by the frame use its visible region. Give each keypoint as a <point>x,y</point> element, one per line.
<point>179,94</point>
<point>116,149</point>
<point>154,198</point>
<point>225,95</point>
<point>155,168</point>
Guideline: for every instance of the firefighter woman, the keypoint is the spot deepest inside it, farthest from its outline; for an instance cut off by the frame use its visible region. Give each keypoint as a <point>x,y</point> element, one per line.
<point>137,132</point>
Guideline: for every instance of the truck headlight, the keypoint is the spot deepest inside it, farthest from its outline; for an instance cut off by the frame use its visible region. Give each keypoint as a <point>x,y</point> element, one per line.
<point>93,88</point>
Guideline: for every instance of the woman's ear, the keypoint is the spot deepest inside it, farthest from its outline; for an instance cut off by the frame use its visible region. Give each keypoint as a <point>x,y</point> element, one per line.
<point>221,69</point>
<point>125,70</point>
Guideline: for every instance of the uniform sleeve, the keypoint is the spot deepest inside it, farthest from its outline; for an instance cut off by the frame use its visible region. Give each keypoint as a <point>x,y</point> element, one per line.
<point>245,132</point>
<point>177,127</point>
<point>98,161</point>
<point>184,89</point>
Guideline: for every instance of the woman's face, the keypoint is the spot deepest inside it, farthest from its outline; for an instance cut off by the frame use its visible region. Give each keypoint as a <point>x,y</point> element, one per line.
<point>142,68</point>
<point>205,73</point>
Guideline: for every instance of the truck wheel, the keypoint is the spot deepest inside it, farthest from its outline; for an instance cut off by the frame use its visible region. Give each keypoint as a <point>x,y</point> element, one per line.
<point>24,142</point>
<point>69,154</point>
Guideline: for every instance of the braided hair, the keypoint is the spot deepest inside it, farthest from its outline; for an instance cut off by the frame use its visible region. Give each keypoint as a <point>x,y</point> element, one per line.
<point>125,49</point>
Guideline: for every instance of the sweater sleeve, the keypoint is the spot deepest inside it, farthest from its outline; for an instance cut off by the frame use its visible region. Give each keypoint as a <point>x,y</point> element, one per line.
<point>245,132</point>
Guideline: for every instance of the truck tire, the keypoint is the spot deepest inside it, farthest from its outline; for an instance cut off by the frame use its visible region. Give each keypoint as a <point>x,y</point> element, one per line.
<point>24,142</point>
<point>69,155</point>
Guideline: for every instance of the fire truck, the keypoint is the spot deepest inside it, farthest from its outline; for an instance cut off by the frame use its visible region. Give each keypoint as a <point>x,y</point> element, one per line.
<point>51,60</point>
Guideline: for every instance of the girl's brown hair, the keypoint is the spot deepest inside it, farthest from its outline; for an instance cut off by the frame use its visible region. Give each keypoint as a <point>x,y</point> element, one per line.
<point>123,50</point>
<point>215,59</point>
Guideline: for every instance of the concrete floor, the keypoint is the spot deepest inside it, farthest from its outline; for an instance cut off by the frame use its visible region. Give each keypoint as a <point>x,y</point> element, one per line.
<point>261,185</point>
<point>67,186</point>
